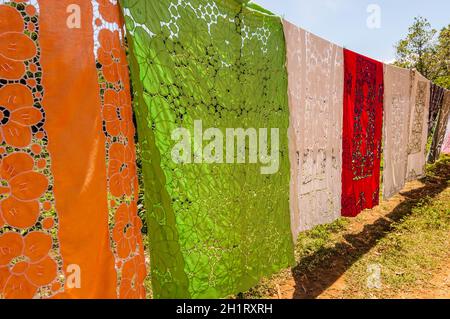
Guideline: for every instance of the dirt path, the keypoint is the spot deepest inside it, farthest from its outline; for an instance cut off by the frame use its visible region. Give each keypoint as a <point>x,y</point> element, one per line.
<point>328,279</point>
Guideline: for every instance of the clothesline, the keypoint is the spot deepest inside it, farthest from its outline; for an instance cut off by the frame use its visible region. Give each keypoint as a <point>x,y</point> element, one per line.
<point>320,115</point>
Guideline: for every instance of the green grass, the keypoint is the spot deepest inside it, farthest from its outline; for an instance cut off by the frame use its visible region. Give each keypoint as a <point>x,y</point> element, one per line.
<point>407,256</point>
<point>313,245</point>
<point>407,245</point>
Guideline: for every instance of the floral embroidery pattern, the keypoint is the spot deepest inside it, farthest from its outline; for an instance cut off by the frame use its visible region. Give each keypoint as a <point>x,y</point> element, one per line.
<point>30,260</point>
<point>29,263</point>
<point>362,133</point>
<point>198,59</point>
<point>17,115</point>
<point>364,145</point>
<point>415,142</point>
<point>16,47</point>
<point>125,225</point>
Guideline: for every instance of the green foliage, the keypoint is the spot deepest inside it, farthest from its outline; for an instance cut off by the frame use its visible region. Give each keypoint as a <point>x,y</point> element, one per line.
<point>442,64</point>
<point>426,51</point>
<point>416,49</point>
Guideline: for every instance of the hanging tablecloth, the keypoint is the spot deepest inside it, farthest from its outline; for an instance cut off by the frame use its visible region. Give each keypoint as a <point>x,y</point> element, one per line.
<point>436,99</point>
<point>397,86</point>
<point>362,131</point>
<point>68,218</point>
<point>446,144</point>
<point>216,227</point>
<point>418,126</point>
<point>316,77</point>
<point>441,128</point>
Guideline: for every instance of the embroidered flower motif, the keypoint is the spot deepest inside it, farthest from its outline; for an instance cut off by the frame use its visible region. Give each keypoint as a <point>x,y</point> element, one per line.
<point>108,11</point>
<point>125,227</point>
<point>116,113</point>
<point>127,230</point>
<point>122,169</point>
<point>24,264</point>
<point>17,115</point>
<point>133,275</point>
<point>23,189</point>
<point>112,56</point>
<point>15,46</point>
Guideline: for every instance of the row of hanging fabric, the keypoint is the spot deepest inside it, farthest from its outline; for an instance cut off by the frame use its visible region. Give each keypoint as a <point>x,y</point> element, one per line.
<point>70,191</point>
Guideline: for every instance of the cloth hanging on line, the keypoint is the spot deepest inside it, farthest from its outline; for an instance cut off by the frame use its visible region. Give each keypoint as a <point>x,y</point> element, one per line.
<point>441,128</point>
<point>68,218</point>
<point>397,86</point>
<point>316,83</point>
<point>436,100</point>
<point>418,126</point>
<point>446,144</point>
<point>362,133</point>
<point>217,225</point>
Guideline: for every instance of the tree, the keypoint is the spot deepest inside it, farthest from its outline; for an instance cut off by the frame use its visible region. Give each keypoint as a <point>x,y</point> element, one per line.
<point>442,63</point>
<point>416,50</point>
<point>423,51</point>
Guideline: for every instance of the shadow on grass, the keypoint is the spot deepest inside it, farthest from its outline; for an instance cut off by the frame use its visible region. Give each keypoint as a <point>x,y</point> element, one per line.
<point>331,263</point>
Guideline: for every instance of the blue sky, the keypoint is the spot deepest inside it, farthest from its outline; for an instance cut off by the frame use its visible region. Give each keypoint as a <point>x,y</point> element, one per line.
<point>345,21</point>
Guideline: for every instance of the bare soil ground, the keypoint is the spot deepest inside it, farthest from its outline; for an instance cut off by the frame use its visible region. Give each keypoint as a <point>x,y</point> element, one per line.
<point>407,237</point>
